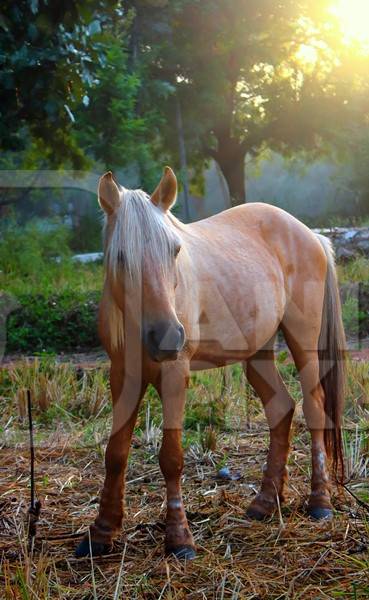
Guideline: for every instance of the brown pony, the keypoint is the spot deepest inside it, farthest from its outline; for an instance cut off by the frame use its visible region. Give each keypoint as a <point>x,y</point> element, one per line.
<point>183,297</point>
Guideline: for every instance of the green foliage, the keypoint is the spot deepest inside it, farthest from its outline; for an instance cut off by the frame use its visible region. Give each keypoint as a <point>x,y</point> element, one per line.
<point>36,259</point>
<point>86,233</point>
<point>207,401</point>
<point>355,306</point>
<point>205,412</point>
<point>112,129</point>
<point>239,70</point>
<point>98,82</point>
<point>28,251</point>
<point>68,95</point>
<point>354,271</point>
<point>54,323</point>
<point>353,318</point>
<point>55,298</point>
<point>358,386</point>
<point>352,149</point>
<point>48,55</point>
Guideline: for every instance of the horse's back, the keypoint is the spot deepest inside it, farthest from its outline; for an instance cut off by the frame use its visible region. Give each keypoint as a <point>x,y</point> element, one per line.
<point>256,218</point>
<point>251,261</point>
<point>263,228</point>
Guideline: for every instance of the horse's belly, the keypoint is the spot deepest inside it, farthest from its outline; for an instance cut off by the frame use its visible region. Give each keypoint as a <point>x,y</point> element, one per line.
<point>211,355</point>
<point>232,331</point>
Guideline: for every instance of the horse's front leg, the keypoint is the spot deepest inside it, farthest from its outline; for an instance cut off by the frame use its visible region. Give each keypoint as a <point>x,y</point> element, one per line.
<point>172,389</point>
<point>126,394</point>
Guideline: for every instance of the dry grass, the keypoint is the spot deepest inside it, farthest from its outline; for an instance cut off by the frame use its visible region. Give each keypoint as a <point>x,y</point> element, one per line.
<point>288,557</point>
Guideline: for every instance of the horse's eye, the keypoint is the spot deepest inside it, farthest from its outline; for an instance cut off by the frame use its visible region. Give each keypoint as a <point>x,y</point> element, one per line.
<point>177,249</point>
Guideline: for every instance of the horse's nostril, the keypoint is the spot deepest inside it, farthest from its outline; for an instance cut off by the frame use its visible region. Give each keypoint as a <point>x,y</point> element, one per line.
<point>164,339</point>
<point>153,339</point>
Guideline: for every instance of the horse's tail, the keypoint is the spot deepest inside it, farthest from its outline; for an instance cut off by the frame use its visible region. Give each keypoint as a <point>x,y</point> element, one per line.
<point>332,345</point>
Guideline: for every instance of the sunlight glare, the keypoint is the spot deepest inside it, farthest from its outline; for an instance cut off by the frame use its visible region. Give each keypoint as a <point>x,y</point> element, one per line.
<point>307,55</point>
<point>354,18</point>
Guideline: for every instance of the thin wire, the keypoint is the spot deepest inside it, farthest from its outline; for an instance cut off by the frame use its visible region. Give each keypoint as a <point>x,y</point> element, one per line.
<point>35,508</point>
<point>32,449</point>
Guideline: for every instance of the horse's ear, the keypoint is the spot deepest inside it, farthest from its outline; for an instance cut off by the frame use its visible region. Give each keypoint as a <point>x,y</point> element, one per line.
<point>108,193</point>
<point>166,193</point>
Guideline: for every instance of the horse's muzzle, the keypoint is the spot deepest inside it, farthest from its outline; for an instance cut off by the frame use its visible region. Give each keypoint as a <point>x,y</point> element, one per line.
<point>164,341</point>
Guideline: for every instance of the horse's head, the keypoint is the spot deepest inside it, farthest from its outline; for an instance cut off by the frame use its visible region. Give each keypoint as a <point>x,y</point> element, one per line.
<point>141,250</point>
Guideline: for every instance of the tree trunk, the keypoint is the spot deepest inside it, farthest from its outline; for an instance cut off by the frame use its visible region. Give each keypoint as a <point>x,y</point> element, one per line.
<point>134,41</point>
<point>183,161</point>
<point>231,160</point>
<point>234,174</point>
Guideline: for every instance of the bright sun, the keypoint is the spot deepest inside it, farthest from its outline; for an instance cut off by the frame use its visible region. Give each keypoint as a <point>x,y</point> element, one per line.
<point>354,18</point>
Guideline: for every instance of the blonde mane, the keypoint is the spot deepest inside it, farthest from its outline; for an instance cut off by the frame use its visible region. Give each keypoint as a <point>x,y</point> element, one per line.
<point>140,229</point>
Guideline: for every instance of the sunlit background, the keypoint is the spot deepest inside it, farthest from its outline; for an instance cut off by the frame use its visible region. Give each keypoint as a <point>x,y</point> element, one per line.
<point>248,100</point>
<point>353,16</point>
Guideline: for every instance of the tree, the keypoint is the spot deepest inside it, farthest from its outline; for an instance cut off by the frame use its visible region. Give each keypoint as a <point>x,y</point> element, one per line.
<point>70,89</point>
<point>112,130</point>
<point>250,74</point>
<point>48,55</point>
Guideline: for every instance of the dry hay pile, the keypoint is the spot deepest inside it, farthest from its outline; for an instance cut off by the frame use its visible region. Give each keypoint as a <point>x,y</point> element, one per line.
<point>289,557</point>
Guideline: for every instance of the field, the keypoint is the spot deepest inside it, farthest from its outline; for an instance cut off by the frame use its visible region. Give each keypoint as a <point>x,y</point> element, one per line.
<point>249,102</point>
<point>288,557</point>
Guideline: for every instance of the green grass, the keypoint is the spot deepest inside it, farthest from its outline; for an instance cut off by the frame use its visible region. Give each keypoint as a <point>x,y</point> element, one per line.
<point>36,259</point>
<point>354,271</point>
<point>60,390</point>
<point>57,277</point>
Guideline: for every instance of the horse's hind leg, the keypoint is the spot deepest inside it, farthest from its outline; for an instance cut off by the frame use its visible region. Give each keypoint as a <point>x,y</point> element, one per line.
<point>279,407</point>
<point>306,358</point>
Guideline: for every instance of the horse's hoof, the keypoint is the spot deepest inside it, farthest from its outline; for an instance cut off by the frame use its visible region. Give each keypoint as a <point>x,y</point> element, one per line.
<point>97,548</point>
<point>319,513</point>
<point>181,552</point>
<point>256,515</point>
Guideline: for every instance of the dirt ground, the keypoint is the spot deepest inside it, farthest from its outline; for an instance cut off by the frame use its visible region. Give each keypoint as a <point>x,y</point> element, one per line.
<point>87,360</point>
<point>288,557</point>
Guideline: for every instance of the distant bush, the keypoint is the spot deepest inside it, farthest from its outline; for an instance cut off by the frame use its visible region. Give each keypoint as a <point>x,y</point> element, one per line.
<point>60,322</point>
<point>56,298</point>
<point>354,271</point>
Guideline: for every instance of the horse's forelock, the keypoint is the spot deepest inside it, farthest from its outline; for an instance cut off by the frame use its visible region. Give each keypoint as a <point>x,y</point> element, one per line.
<point>140,228</point>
